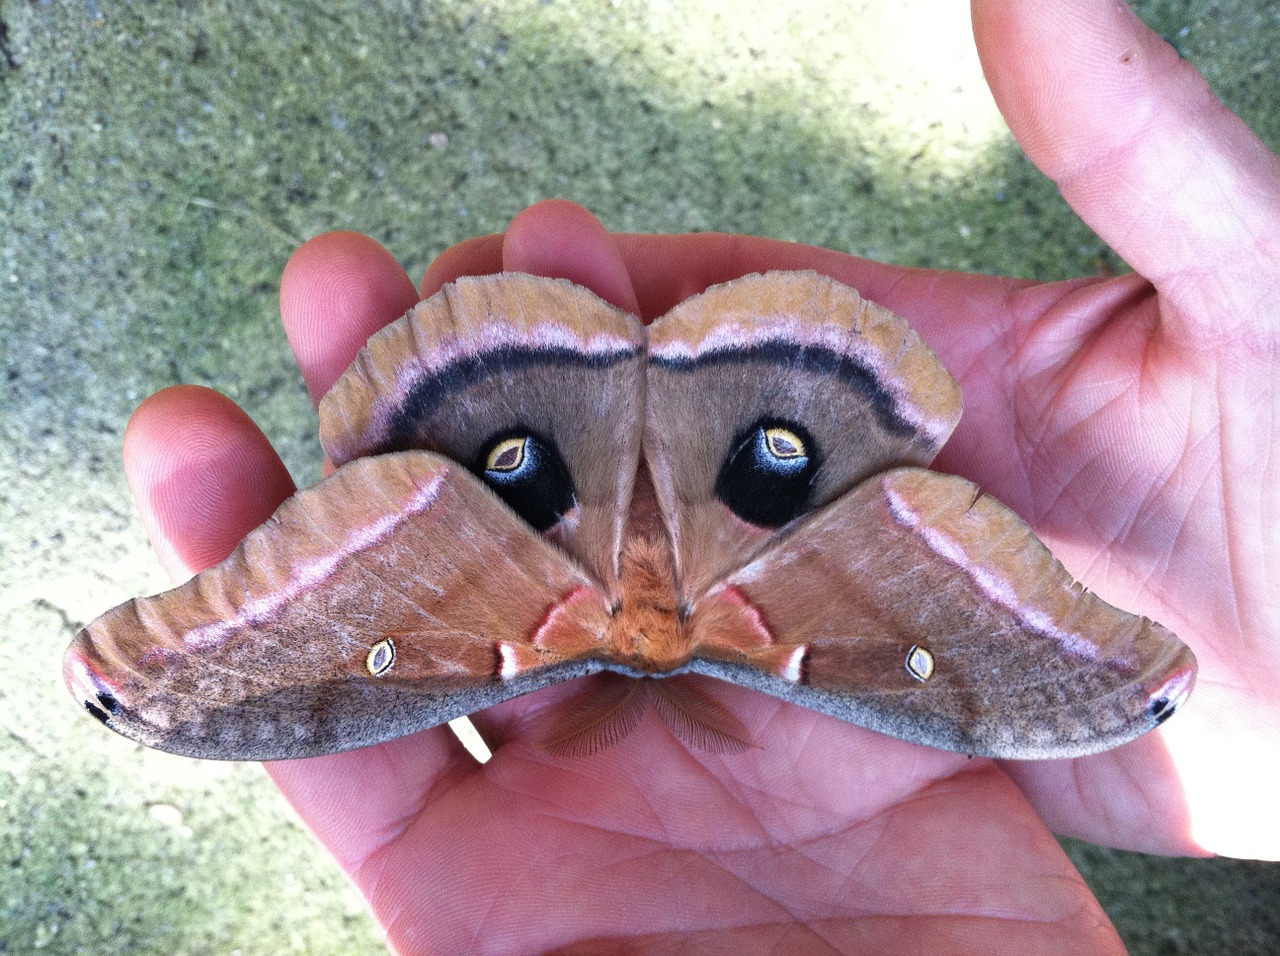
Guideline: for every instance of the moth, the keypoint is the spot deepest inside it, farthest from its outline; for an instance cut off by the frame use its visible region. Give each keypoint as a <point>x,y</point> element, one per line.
<point>535,487</point>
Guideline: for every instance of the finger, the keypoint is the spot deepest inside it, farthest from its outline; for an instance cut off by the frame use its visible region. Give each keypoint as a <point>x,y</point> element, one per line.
<point>1141,149</point>
<point>664,270</point>
<point>478,256</point>
<point>561,240</point>
<point>203,476</point>
<point>337,290</point>
<point>667,270</point>
<point>553,238</point>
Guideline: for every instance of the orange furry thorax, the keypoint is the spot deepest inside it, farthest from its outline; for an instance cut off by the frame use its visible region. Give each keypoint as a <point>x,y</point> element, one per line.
<point>647,628</point>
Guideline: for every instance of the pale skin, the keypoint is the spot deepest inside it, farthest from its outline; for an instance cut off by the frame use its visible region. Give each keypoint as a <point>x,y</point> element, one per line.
<point>1132,421</point>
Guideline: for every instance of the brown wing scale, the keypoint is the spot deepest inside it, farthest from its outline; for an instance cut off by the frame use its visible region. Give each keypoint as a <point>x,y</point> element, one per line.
<point>920,609</point>
<point>395,595</point>
<point>500,355</point>
<point>781,346</point>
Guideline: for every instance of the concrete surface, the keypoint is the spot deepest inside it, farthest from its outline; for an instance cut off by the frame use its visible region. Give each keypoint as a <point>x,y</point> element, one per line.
<point>159,162</point>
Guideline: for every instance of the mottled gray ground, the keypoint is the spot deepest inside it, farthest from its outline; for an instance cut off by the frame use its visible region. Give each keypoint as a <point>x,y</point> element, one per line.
<point>159,162</point>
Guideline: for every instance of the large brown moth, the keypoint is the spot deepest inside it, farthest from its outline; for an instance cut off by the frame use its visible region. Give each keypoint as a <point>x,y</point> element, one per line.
<point>535,487</point>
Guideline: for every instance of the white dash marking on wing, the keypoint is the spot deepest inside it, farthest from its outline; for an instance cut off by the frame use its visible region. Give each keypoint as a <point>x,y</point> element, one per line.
<point>510,664</point>
<point>793,669</point>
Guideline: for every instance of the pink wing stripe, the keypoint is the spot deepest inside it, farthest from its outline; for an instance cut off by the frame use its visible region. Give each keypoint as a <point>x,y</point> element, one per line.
<point>995,587</point>
<point>313,574</point>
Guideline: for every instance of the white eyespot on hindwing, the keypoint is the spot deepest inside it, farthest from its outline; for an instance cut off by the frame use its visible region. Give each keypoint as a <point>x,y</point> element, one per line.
<point>919,663</point>
<point>380,658</point>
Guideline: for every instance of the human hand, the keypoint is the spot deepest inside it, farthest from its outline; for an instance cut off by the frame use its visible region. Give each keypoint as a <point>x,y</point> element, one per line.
<point>1128,424</point>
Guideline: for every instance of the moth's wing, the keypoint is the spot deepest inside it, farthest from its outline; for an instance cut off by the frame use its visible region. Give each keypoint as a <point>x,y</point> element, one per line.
<point>918,608</point>
<point>394,595</point>
<point>782,347</point>
<point>495,356</point>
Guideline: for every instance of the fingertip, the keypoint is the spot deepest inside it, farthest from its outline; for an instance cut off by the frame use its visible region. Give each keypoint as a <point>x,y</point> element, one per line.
<point>1073,80</point>
<point>202,473</point>
<point>666,270</point>
<point>477,256</point>
<point>554,238</point>
<point>559,239</point>
<point>338,289</point>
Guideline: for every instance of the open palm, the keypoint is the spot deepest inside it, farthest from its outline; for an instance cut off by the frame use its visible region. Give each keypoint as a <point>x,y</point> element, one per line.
<point>1131,421</point>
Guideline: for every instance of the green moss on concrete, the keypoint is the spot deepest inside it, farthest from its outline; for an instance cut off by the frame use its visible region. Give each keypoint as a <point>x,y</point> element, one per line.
<point>1168,907</point>
<point>159,162</point>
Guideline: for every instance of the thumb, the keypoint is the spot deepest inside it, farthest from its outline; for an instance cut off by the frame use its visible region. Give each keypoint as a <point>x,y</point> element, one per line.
<point>1143,152</point>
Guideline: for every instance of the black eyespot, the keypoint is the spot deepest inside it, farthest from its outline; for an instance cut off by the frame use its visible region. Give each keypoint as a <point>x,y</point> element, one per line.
<point>109,702</point>
<point>768,475</point>
<point>1161,709</point>
<point>109,707</point>
<point>526,471</point>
